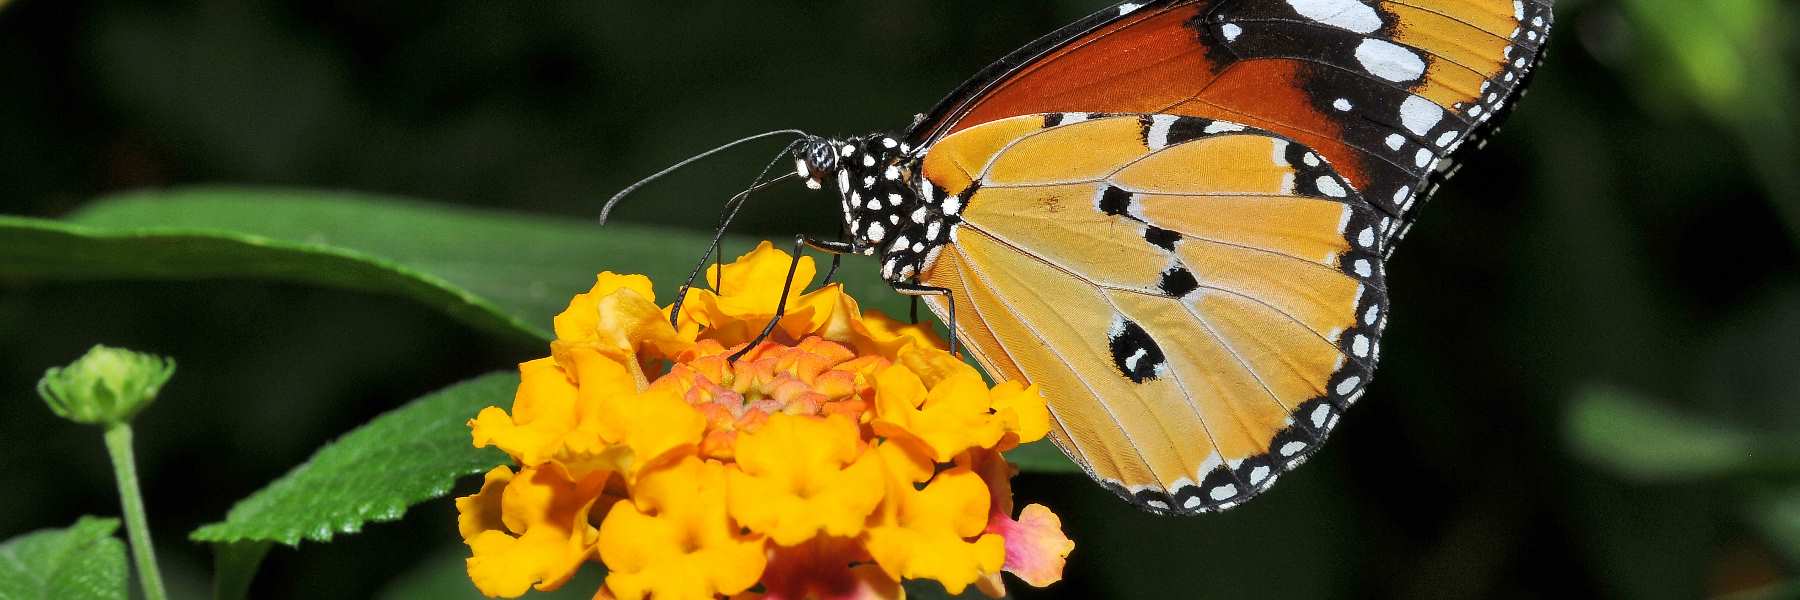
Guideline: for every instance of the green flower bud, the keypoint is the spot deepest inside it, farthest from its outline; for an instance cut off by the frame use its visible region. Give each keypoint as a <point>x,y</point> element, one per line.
<point>106,386</point>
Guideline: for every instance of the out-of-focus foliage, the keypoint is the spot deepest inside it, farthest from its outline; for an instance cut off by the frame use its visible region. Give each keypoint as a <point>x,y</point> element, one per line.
<point>1587,387</point>
<point>81,562</point>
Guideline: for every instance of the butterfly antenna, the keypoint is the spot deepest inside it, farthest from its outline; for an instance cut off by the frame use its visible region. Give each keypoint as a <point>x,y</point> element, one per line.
<point>607,210</point>
<point>732,206</point>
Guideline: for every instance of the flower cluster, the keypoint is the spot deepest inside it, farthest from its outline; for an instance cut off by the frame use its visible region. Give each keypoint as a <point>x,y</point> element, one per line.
<point>843,455</point>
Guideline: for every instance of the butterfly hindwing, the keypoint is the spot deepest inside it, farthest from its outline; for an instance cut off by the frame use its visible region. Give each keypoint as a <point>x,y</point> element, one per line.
<point>1198,299</point>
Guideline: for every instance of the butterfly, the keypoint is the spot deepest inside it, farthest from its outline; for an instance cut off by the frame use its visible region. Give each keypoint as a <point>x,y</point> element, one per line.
<point>1173,216</point>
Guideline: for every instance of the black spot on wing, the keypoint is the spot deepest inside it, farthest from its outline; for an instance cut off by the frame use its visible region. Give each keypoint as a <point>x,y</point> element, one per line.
<point>1115,201</point>
<point>1188,128</point>
<point>1052,119</point>
<point>1161,238</point>
<point>1136,355</point>
<point>1177,282</point>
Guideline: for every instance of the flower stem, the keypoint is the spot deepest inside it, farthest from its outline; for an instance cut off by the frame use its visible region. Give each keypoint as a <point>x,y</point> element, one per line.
<point>118,444</point>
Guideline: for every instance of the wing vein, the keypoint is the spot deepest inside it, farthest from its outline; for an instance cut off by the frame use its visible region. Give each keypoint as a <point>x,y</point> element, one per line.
<point>963,271</point>
<point>1092,392</point>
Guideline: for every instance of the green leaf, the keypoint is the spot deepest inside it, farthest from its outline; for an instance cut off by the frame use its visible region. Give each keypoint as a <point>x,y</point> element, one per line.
<point>234,566</point>
<point>502,272</point>
<point>374,473</point>
<point>1633,437</point>
<point>83,561</point>
<point>1041,457</point>
<point>1778,516</point>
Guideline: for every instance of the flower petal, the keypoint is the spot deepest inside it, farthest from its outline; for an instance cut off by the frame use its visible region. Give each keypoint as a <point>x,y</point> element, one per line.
<point>545,535</point>
<point>674,539</point>
<point>1036,548</point>
<point>926,533</point>
<point>800,476</point>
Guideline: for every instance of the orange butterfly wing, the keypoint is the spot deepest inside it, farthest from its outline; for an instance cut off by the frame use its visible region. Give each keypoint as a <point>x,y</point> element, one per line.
<point>1197,299</point>
<point>1387,91</point>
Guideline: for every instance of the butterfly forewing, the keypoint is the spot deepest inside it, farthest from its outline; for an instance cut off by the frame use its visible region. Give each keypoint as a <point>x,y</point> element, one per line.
<point>1385,90</point>
<point>1191,294</point>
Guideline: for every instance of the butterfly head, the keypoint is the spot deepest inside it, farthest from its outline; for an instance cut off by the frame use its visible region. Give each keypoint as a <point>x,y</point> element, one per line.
<point>889,210</point>
<point>815,159</point>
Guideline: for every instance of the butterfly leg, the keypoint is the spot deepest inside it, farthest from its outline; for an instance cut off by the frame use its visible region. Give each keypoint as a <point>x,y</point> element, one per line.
<point>915,290</point>
<point>837,258</point>
<point>801,243</point>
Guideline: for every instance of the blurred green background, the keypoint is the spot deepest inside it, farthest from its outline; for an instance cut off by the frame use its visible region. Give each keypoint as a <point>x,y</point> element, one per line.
<point>1591,384</point>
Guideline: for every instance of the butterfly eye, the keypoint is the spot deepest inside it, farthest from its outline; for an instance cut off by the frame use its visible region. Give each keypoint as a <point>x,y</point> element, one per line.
<point>815,158</point>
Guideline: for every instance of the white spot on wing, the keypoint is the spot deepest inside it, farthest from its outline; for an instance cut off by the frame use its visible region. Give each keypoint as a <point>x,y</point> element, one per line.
<point>1343,14</point>
<point>1390,61</point>
<point>1158,136</point>
<point>1132,361</point>
<point>1223,127</point>
<point>1420,115</point>
<point>1330,186</point>
<point>1231,31</point>
<point>1126,8</point>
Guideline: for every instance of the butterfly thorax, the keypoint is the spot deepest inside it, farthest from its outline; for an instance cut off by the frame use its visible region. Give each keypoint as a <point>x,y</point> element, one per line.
<point>889,209</point>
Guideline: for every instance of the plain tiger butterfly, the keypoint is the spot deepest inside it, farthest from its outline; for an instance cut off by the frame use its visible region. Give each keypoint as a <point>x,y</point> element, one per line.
<point>1173,216</point>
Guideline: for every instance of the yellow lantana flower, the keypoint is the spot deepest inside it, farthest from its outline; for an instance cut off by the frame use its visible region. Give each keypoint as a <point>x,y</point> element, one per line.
<point>835,459</point>
<point>800,476</point>
<point>674,539</point>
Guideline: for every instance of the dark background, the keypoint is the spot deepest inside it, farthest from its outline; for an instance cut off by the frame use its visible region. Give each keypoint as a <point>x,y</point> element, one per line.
<point>1629,238</point>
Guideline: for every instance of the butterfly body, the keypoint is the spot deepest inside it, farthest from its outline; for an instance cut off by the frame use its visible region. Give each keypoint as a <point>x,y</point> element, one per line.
<point>1173,217</point>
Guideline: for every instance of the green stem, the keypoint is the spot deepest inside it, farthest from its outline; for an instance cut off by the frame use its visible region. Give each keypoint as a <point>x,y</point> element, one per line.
<point>118,444</point>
